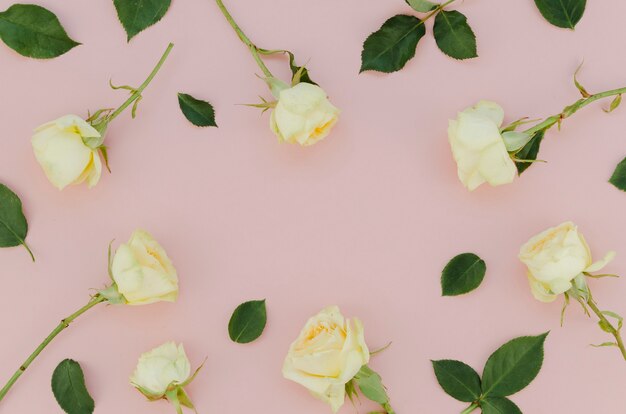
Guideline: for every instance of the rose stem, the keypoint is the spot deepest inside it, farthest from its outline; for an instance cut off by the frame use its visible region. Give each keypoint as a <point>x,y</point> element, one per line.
<point>65,323</point>
<point>618,338</point>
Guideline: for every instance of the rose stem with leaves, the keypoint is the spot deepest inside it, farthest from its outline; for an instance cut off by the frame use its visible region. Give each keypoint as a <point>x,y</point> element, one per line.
<point>65,323</point>
<point>573,108</point>
<point>608,326</point>
<point>256,52</point>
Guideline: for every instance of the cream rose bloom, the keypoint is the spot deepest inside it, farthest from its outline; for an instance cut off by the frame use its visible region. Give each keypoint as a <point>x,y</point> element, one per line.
<point>328,354</point>
<point>142,271</point>
<point>62,153</point>
<point>160,370</point>
<point>478,148</point>
<point>555,258</point>
<point>303,114</point>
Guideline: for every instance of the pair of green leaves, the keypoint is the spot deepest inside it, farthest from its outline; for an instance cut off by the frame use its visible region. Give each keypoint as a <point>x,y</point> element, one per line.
<point>198,112</point>
<point>562,13</point>
<point>618,179</point>
<point>248,321</point>
<point>462,274</point>
<point>69,389</point>
<point>34,31</point>
<point>138,15</point>
<point>394,44</point>
<point>508,370</point>
<point>13,224</point>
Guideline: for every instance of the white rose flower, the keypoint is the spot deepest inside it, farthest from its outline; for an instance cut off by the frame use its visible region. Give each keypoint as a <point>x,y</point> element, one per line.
<point>142,272</point>
<point>555,258</point>
<point>329,352</point>
<point>478,147</point>
<point>61,151</point>
<point>303,114</point>
<point>161,369</point>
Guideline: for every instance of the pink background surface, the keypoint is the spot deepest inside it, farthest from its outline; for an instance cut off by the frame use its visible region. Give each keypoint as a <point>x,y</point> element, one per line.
<point>366,219</point>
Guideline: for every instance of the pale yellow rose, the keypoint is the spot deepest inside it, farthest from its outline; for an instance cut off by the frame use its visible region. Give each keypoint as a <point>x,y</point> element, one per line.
<point>61,151</point>
<point>555,258</point>
<point>161,369</point>
<point>328,354</point>
<point>142,271</point>
<point>303,114</point>
<point>478,147</point>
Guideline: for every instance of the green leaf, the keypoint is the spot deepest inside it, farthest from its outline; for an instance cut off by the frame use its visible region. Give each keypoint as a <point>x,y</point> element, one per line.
<point>454,36</point>
<point>422,6</point>
<point>562,13</point>
<point>388,49</point>
<point>529,152</point>
<point>618,179</point>
<point>462,274</point>
<point>68,386</point>
<point>34,31</point>
<point>458,379</point>
<point>513,366</point>
<point>248,321</point>
<point>371,385</point>
<point>137,15</point>
<point>198,112</point>
<point>615,103</point>
<point>295,69</point>
<point>499,405</point>
<point>13,225</point>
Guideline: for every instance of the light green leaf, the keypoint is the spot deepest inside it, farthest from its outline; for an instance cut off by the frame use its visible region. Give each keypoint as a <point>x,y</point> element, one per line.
<point>462,274</point>
<point>615,103</point>
<point>68,386</point>
<point>562,13</point>
<point>137,15</point>
<point>454,36</point>
<point>248,321</point>
<point>458,379</point>
<point>301,72</point>
<point>422,6</point>
<point>13,225</point>
<point>371,385</point>
<point>603,344</point>
<point>529,152</point>
<point>198,112</point>
<point>617,317</point>
<point>499,405</point>
<point>393,45</point>
<point>618,179</point>
<point>515,140</point>
<point>513,366</point>
<point>34,31</point>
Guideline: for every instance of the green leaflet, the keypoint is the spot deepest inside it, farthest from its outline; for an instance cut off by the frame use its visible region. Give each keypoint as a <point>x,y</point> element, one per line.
<point>454,36</point>
<point>529,152</point>
<point>198,112</point>
<point>499,405</point>
<point>393,45</point>
<point>301,70</point>
<point>248,321</point>
<point>513,366</point>
<point>13,224</point>
<point>458,380</point>
<point>34,31</point>
<point>562,13</point>
<point>422,6</point>
<point>462,274</point>
<point>618,179</point>
<point>371,385</point>
<point>68,386</point>
<point>137,15</point>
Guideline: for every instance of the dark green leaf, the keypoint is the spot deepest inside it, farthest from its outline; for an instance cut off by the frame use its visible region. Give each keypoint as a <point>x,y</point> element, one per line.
<point>13,225</point>
<point>248,321</point>
<point>529,152</point>
<point>462,274</point>
<point>422,6</point>
<point>137,15</point>
<point>457,379</point>
<point>454,36</point>
<point>68,386</point>
<point>388,49</point>
<point>497,405</point>
<point>33,31</point>
<point>304,72</point>
<point>562,13</point>
<point>513,366</point>
<point>618,179</point>
<point>200,113</point>
<point>371,385</point>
